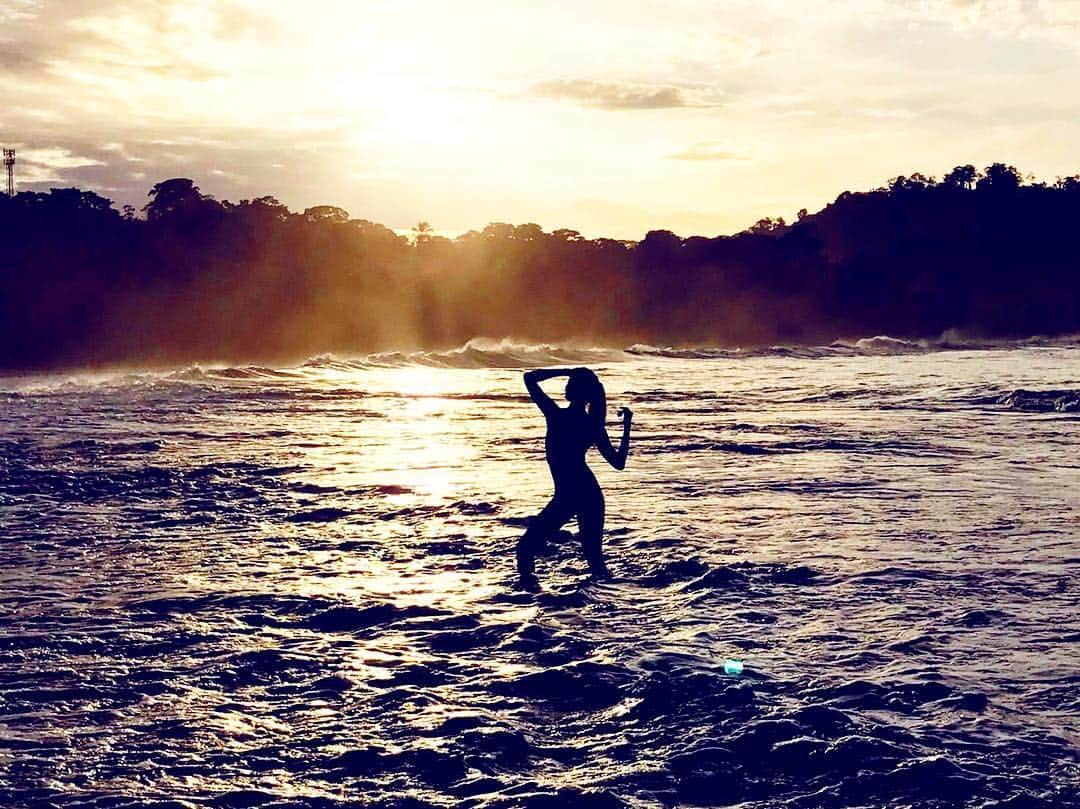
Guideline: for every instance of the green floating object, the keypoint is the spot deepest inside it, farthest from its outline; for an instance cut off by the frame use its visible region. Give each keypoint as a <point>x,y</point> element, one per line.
<point>733,666</point>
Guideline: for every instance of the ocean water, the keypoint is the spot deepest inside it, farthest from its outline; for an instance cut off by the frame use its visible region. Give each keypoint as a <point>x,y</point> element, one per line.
<point>293,587</point>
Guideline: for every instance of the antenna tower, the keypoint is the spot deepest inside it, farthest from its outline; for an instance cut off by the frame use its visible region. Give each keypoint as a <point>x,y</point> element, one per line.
<point>9,164</point>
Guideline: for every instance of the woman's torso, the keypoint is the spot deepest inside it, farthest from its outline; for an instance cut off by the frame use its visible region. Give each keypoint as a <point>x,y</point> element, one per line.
<point>570,433</point>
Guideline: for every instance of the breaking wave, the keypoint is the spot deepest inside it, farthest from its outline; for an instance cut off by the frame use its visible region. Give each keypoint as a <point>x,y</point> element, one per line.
<point>478,353</point>
<point>881,345</point>
<point>484,353</point>
<point>489,353</point>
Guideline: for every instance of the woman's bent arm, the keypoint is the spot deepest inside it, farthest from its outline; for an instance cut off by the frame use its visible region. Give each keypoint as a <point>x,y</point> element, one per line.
<point>616,458</point>
<point>532,384</point>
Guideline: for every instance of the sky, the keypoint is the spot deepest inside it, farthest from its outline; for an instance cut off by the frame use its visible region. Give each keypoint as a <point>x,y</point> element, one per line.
<point>611,117</point>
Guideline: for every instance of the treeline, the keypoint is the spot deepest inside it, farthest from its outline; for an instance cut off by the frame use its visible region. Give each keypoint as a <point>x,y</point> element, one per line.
<point>982,252</point>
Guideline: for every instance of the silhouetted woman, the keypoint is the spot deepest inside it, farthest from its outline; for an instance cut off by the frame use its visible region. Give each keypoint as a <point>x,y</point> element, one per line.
<point>570,432</point>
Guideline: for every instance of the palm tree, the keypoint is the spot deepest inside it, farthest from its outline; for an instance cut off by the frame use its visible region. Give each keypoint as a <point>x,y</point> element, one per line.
<point>422,232</point>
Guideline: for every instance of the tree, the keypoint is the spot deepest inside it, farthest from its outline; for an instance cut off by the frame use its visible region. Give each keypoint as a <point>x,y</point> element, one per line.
<point>1070,184</point>
<point>422,232</point>
<point>528,232</point>
<point>916,182</point>
<point>566,235</point>
<point>498,230</point>
<point>176,196</point>
<point>262,209</point>
<point>1000,177</point>
<point>330,214</point>
<point>768,225</point>
<point>660,244</point>
<point>374,230</point>
<point>75,199</point>
<point>961,177</point>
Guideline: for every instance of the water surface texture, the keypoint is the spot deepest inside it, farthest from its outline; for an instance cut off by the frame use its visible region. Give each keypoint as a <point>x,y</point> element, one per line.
<point>293,587</point>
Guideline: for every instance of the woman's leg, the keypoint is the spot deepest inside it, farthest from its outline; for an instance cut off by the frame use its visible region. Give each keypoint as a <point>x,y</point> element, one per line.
<point>547,522</point>
<point>591,531</point>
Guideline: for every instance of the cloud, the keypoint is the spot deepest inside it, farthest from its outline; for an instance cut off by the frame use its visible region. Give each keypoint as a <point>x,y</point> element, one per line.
<point>359,103</point>
<point>16,59</point>
<point>185,71</point>
<point>106,43</point>
<point>50,165</point>
<point>621,95</point>
<point>16,10</point>
<point>708,150</point>
<point>887,113</point>
<point>1011,19</point>
<point>57,158</point>
<point>229,164</point>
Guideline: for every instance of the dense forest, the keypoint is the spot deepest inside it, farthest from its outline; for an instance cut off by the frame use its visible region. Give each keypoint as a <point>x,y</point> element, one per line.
<point>194,278</point>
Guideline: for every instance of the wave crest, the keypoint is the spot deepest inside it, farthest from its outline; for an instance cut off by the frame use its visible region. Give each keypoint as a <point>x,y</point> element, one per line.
<point>877,346</point>
<point>477,353</point>
<point>481,353</point>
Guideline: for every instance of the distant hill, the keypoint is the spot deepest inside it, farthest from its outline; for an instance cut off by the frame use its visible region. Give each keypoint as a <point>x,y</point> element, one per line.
<point>980,252</point>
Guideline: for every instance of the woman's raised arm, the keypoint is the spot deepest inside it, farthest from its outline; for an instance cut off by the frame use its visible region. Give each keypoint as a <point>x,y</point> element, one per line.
<point>532,384</point>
